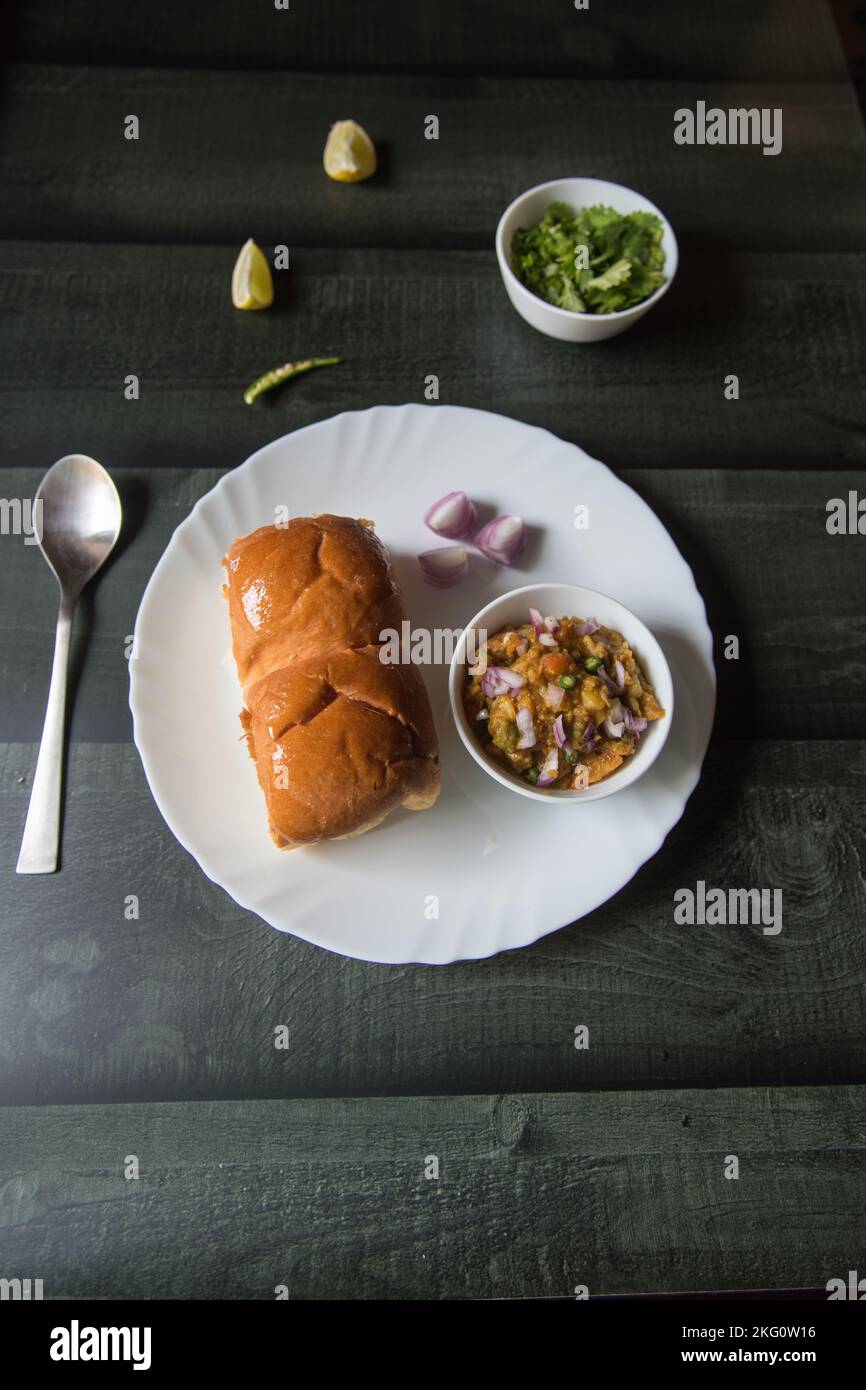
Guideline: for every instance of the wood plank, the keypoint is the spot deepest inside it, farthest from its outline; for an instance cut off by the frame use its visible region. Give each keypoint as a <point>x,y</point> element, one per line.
<point>183,1002</point>
<point>78,319</point>
<point>737,39</point>
<point>757,543</point>
<point>223,155</point>
<point>536,1194</point>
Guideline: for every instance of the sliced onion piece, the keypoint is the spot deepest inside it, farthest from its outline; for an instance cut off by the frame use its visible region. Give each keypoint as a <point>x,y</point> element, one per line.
<point>537,621</point>
<point>526,725</point>
<point>614,725</point>
<point>580,780</point>
<point>589,627</point>
<point>589,733</point>
<point>512,679</point>
<point>522,646</point>
<point>547,639</point>
<point>491,686</point>
<point>634,723</point>
<point>500,680</point>
<point>619,673</point>
<point>549,769</point>
<point>553,625</point>
<point>452,516</point>
<point>502,539</point>
<point>554,695</point>
<point>444,567</point>
<point>609,681</point>
<point>561,738</point>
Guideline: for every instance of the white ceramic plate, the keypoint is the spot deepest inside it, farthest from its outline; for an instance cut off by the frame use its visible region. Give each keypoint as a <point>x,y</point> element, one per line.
<point>474,875</point>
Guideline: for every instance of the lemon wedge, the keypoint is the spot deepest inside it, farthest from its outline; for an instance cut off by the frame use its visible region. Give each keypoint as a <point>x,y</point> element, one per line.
<point>350,154</point>
<point>252,286</point>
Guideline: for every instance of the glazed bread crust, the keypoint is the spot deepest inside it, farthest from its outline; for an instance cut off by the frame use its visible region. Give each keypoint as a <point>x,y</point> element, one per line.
<point>339,738</point>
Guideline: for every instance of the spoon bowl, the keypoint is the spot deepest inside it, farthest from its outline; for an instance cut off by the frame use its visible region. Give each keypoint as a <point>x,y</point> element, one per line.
<point>78,517</point>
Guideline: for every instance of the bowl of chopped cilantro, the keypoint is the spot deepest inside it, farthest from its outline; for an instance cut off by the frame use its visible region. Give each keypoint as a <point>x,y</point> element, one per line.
<point>584,259</point>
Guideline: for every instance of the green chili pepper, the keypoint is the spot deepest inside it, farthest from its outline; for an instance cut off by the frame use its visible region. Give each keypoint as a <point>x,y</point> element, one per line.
<point>531,774</point>
<point>569,755</point>
<point>592,664</point>
<point>567,682</point>
<point>285,373</point>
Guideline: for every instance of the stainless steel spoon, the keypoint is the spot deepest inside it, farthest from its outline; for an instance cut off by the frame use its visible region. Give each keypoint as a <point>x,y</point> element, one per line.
<point>77,520</point>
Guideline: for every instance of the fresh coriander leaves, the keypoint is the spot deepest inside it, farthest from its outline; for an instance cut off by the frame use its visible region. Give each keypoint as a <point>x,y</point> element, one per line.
<point>595,261</point>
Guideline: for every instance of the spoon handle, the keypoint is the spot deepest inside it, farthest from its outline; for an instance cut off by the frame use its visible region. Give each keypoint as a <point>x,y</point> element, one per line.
<point>42,829</point>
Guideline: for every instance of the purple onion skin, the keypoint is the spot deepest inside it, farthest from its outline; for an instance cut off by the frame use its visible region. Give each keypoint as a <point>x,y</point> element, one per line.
<point>441,579</point>
<point>489,541</point>
<point>461,526</point>
<point>609,681</point>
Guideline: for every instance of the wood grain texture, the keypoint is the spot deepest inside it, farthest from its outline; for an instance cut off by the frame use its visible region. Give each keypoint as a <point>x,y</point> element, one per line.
<point>593,1166</point>
<point>757,542</point>
<point>776,40</point>
<point>183,1003</point>
<point>78,319</point>
<point>536,1194</point>
<point>222,156</point>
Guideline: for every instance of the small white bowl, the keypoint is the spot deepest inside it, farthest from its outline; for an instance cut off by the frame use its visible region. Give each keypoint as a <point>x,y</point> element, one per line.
<point>567,600</point>
<point>567,324</point>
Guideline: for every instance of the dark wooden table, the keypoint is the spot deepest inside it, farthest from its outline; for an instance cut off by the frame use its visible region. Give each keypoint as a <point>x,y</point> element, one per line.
<point>305,1167</point>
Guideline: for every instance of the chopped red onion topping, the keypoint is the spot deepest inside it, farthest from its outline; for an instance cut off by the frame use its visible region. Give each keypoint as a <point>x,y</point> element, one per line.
<point>501,680</point>
<point>635,723</point>
<point>452,516</point>
<point>522,646</point>
<point>512,679</point>
<point>536,619</point>
<point>608,680</point>
<point>549,769</point>
<point>614,725</point>
<point>553,625</point>
<point>619,673</point>
<point>502,539</point>
<point>526,725</point>
<point>444,567</point>
<point>561,737</point>
<point>554,695</point>
<point>589,627</point>
<point>589,733</point>
<point>547,639</point>
<point>491,685</point>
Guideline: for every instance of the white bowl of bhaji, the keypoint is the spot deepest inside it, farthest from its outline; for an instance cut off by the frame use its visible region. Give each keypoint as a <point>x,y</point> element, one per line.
<point>561,693</point>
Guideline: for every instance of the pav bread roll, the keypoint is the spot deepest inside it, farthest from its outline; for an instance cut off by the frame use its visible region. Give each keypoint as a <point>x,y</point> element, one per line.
<point>339,738</point>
